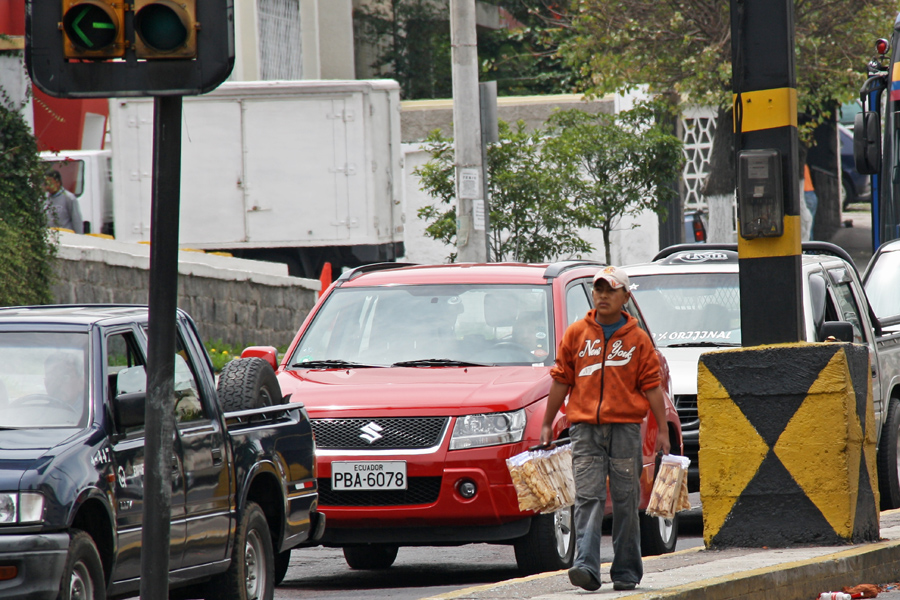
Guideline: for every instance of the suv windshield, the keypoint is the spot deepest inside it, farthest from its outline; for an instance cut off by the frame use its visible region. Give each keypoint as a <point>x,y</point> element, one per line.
<point>42,379</point>
<point>690,308</point>
<point>436,325</point>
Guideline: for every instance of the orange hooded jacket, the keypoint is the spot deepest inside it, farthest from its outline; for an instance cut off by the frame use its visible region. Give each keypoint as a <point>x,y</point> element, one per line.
<point>613,393</point>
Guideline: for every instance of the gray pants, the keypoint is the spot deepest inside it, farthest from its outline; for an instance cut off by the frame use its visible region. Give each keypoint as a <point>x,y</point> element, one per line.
<point>599,451</point>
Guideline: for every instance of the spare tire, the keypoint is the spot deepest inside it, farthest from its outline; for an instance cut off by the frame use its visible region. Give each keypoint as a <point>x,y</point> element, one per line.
<point>247,383</point>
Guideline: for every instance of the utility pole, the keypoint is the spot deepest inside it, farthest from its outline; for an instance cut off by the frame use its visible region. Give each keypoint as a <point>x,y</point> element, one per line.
<point>768,181</point>
<point>470,210</point>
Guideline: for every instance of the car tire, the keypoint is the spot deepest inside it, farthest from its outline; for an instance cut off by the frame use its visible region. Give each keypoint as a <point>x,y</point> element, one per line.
<point>83,574</point>
<point>371,556</point>
<point>282,561</point>
<point>887,460</point>
<point>251,575</point>
<point>658,535</point>
<point>549,544</point>
<point>247,383</point>
<point>848,196</point>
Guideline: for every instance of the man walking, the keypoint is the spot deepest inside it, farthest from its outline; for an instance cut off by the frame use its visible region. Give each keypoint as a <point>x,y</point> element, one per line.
<point>610,366</point>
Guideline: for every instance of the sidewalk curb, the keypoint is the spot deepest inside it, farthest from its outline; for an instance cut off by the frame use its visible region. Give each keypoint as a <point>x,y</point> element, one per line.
<point>799,580</point>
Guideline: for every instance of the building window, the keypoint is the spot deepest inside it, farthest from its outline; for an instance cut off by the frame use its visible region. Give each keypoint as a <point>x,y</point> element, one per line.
<point>280,52</point>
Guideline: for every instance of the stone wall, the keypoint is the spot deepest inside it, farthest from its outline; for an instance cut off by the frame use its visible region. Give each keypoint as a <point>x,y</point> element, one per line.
<point>240,302</point>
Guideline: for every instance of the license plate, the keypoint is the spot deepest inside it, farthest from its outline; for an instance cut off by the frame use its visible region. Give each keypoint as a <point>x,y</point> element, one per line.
<point>381,475</point>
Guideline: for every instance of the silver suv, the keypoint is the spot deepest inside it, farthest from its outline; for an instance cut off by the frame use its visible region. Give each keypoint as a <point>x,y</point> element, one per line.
<point>690,298</point>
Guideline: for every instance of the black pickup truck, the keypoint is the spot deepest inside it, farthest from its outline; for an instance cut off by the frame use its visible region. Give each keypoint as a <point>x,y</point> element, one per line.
<point>72,383</point>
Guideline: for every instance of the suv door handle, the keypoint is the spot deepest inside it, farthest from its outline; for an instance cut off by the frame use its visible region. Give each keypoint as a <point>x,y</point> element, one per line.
<point>217,456</point>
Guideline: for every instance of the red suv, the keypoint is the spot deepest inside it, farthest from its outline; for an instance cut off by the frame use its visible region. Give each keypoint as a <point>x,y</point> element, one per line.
<point>420,382</point>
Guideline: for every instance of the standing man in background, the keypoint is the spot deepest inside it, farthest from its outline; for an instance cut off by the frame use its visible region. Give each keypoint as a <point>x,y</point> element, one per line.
<point>62,205</point>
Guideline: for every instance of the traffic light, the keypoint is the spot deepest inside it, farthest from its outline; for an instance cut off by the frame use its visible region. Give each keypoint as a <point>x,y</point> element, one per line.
<point>121,48</point>
<point>93,29</point>
<point>165,29</point>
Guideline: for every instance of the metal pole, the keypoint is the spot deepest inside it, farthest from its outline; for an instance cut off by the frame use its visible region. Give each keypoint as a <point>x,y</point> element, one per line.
<point>160,417</point>
<point>470,211</point>
<point>490,134</point>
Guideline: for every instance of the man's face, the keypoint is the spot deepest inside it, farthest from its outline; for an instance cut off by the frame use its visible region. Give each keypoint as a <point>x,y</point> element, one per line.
<point>607,301</point>
<point>51,185</point>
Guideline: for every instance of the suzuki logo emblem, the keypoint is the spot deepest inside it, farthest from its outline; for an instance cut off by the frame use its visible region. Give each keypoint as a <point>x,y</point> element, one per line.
<point>370,432</point>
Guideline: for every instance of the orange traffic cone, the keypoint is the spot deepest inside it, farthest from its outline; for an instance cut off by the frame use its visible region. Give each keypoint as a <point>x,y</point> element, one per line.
<point>325,278</point>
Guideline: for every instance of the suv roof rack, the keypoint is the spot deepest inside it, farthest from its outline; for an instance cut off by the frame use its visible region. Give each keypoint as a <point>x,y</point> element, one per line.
<point>348,275</point>
<point>558,268</point>
<point>815,247</point>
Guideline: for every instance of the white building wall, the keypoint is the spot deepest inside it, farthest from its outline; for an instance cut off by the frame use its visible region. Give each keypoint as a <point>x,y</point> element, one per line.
<point>325,40</point>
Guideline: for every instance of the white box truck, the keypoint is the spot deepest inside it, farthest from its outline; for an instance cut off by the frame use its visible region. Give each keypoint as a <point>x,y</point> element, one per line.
<point>300,172</point>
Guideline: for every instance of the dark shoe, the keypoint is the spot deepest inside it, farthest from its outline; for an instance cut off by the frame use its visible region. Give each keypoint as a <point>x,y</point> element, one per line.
<point>622,586</point>
<point>583,579</point>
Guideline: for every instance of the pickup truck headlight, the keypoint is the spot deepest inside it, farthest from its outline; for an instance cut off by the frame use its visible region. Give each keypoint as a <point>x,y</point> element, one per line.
<point>489,429</point>
<point>26,507</point>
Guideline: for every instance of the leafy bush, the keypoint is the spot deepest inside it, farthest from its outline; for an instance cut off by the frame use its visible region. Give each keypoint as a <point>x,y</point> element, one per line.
<point>27,247</point>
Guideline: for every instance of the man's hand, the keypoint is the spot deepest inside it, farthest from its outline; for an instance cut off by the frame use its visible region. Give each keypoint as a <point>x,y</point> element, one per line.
<point>662,440</point>
<point>558,393</point>
<point>658,408</point>
<point>546,435</point>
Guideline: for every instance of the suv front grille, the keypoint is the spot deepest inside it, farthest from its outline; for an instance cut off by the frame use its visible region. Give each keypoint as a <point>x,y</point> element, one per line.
<point>686,405</point>
<point>392,433</point>
<point>421,490</point>
<point>389,433</point>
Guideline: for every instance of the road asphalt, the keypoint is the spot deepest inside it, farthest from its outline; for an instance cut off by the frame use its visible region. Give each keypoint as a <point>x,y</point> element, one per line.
<point>796,573</point>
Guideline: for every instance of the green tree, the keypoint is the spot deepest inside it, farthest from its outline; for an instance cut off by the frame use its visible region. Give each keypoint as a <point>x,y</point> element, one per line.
<point>531,218</point>
<point>27,249</point>
<point>684,47</point>
<point>580,170</point>
<point>411,40</point>
<point>616,165</point>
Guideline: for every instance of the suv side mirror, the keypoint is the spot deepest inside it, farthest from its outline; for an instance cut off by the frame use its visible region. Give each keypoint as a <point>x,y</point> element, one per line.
<point>867,143</point>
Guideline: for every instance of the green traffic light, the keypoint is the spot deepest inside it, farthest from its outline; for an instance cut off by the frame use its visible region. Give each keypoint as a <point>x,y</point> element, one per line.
<point>160,27</point>
<point>89,27</point>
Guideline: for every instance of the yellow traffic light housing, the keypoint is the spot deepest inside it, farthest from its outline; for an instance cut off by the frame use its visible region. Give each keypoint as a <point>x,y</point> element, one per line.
<point>165,29</point>
<point>93,29</point>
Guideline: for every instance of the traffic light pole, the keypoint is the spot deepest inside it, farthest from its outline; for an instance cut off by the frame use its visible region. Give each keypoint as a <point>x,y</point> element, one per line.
<point>765,103</point>
<point>159,412</point>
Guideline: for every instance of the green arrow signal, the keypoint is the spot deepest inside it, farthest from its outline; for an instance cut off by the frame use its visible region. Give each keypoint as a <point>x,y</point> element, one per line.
<point>82,20</point>
<point>77,29</point>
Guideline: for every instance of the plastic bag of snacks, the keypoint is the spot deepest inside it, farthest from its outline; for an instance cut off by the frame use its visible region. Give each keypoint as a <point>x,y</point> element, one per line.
<point>543,479</point>
<point>669,494</point>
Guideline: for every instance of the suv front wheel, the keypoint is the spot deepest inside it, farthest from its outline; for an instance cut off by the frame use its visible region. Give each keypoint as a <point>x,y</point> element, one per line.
<point>549,544</point>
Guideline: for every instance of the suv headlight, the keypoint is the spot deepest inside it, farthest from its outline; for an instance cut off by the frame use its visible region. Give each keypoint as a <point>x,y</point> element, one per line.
<point>25,507</point>
<point>489,429</point>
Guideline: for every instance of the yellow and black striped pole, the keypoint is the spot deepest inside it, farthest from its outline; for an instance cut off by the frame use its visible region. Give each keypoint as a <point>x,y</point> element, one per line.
<point>765,109</point>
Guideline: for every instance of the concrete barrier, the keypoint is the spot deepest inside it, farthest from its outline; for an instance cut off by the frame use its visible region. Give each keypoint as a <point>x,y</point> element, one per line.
<point>787,446</point>
<point>240,302</point>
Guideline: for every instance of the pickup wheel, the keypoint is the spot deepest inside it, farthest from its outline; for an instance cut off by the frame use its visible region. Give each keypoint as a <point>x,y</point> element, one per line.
<point>251,575</point>
<point>371,556</point>
<point>888,462</point>
<point>282,560</point>
<point>549,544</point>
<point>247,383</point>
<point>83,576</point>
<point>658,535</point>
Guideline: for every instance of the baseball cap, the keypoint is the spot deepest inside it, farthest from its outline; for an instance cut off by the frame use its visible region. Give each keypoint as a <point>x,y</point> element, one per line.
<point>615,277</point>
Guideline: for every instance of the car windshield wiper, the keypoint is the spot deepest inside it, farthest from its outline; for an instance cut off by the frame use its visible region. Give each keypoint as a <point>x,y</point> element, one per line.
<point>436,362</point>
<point>332,363</point>
<point>702,345</point>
